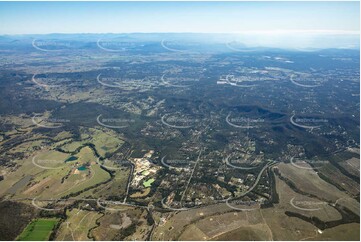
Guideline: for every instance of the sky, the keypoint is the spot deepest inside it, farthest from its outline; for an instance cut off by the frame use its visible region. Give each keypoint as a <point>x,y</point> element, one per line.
<point>197,17</point>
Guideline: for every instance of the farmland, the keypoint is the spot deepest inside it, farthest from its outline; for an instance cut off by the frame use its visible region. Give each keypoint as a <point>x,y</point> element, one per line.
<point>146,143</point>
<point>39,229</point>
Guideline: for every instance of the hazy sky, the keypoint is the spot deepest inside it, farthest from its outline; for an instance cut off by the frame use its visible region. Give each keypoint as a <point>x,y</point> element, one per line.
<point>210,17</point>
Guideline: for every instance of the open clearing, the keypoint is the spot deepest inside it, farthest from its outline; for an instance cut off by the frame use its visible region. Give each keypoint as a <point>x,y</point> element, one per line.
<point>77,225</point>
<point>309,182</point>
<point>39,229</point>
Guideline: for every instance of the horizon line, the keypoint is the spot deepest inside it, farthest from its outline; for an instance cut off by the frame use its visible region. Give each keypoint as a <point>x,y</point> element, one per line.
<point>257,32</point>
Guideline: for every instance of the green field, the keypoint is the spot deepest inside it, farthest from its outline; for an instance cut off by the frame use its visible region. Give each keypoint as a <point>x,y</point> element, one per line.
<point>39,229</point>
<point>148,183</point>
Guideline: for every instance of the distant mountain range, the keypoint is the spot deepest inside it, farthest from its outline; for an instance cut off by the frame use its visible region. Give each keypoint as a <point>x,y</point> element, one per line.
<point>241,42</point>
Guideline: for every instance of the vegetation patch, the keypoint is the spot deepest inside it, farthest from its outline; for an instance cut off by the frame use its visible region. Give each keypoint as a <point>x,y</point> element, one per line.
<point>39,229</point>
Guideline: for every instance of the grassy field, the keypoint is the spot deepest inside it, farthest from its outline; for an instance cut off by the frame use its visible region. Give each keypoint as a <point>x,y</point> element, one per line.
<point>340,179</point>
<point>352,166</point>
<point>105,142</point>
<point>346,232</point>
<point>325,212</point>
<point>70,147</point>
<point>219,222</point>
<point>77,225</point>
<point>175,223</point>
<point>148,183</point>
<point>51,184</point>
<point>309,182</point>
<point>229,226</point>
<point>39,229</point>
<point>50,176</point>
<point>111,224</point>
